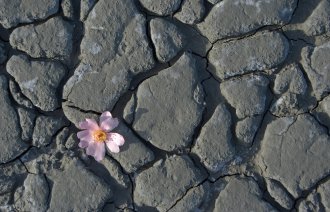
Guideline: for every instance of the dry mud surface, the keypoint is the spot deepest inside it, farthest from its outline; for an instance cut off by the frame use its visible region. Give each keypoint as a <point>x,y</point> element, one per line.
<point>224,104</point>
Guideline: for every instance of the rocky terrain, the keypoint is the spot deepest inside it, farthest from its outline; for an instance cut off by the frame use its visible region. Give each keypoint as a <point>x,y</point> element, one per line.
<point>224,104</point>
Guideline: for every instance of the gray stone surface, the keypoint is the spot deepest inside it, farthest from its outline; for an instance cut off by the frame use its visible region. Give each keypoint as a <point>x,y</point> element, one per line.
<point>278,193</point>
<point>175,175</point>
<point>247,128</point>
<point>249,16</point>
<point>318,22</point>
<point>315,63</point>
<point>167,39</point>
<point>214,144</point>
<point>248,94</point>
<point>161,7</point>
<point>14,12</point>
<point>293,150</point>
<point>75,179</point>
<point>192,11</point>
<point>3,52</point>
<point>85,7</point>
<point>246,191</point>
<point>129,110</point>
<point>38,80</point>
<point>265,50</point>
<point>18,96</point>
<point>54,39</point>
<point>10,136</point>
<point>322,112</point>
<point>45,128</point>
<point>324,191</point>
<point>33,195</point>
<point>169,101</point>
<point>311,203</point>
<point>27,120</point>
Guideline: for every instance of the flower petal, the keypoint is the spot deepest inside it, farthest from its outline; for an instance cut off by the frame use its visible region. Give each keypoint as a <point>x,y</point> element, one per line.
<point>112,147</point>
<point>107,122</point>
<point>116,138</point>
<point>89,124</point>
<point>85,134</point>
<point>90,150</point>
<point>84,143</point>
<point>99,151</point>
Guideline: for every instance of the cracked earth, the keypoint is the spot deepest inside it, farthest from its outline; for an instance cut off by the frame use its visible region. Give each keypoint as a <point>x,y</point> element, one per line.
<point>224,104</point>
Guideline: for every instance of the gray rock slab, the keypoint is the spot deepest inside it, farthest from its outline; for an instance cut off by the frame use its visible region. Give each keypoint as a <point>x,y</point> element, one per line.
<point>38,80</point>
<point>96,91</point>
<point>45,128</point>
<point>53,39</point>
<point>318,22</point>
<point>33,195</point>
<point>322,112</point>
<point>27,119</point>
<point>246,191</point>
<point>249,16</point>
<point>248,94</point>
<point>193,200</point>
<point>192,11</point>
<point>14,12</point>
<point>324,191</point>
<point>289,104</point>
<point>18,96</point>
<point>79,184</point>
<point>85,7</point>
<point>265,50</point>
<point>170,104</point>
<point>167,39</point>
<point>311,203</point>
<point>315,63</point>
<point>133,154</point>
<point>247,128</point>
<point>294,151</point>
<point>3,52</point>
<point>278,193</point>
<point>291,79</point>
<point>175,175</point>
<point>129,109</point>
<point>10,136</point>
<point>214,144</point>
<point>108,36</point>
<point>161,7</point>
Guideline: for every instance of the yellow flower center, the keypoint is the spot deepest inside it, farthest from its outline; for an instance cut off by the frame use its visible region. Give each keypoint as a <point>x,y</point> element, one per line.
<point>99,135</point>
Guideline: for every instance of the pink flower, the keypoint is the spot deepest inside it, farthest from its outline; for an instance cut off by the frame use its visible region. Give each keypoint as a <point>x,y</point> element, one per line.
<point>94,137</point>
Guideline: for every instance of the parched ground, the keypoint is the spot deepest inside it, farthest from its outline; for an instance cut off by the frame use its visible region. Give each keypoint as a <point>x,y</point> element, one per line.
<point>224,104</point>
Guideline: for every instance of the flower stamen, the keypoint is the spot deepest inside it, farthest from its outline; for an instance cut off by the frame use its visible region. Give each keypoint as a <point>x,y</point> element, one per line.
<point>99,135</point>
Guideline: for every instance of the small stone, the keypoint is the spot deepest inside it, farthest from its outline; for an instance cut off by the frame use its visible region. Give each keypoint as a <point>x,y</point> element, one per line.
<point>161,111</point>
<point>78,184</point>
<point>27,119</point>
<point>291,79</point>
<point>34,194</point>
<point>18,96</point>
<point>15,12</point>
<point>214,144</point>
<point>10,136</point>
<point>248,94</point>
<point>322,112</point>
<point>192,11</point>
<point>311,203</point>
<point>266,50</point>
<point>161,7</point>
<point>45,128</point>
<point>54,39</point>
<point>38,80</point>
<point>293,151</point>
<point>129,109</point>
<point>247,128</point>
<point>318,22</point>
<point>133,154</point>
<point>69,8</point>
<point>246,191</point>
<point>193,200</point>
<point>249,16</point>
<point>167,39</point>
<point>279,194</point>
<point>72,142</point>
<point>289,104</point>
<point>3,52</point>
<point>175,175</point>
<point>315,63</point>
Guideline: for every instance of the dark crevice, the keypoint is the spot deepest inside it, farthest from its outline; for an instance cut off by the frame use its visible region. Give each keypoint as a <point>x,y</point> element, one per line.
<point>50,187</point>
